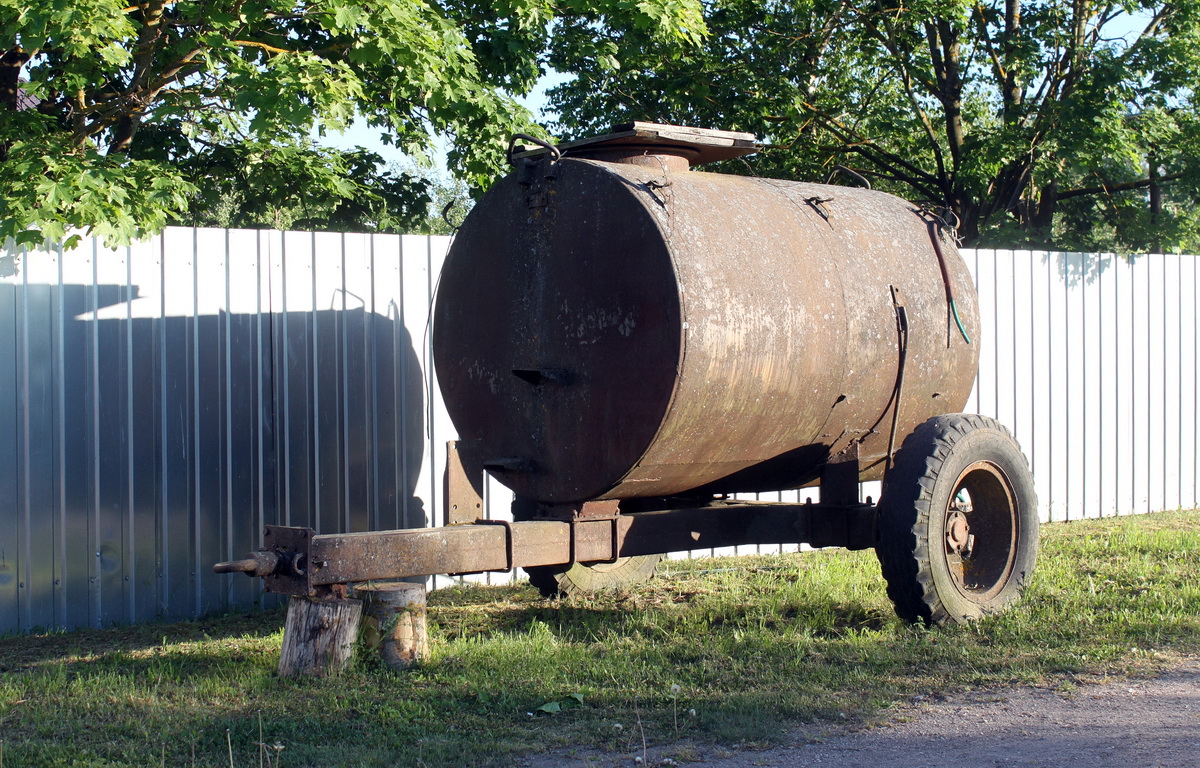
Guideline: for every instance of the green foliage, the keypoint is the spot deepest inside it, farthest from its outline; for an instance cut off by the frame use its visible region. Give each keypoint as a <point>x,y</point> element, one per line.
<point>117,118</point>
<point>49,188</point>
<point>736,649</point>
<point>1053,123</point>
<point>304,186</point>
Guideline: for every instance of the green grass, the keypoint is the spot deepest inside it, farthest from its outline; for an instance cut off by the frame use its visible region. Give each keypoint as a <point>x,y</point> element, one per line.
<point>750,645</point>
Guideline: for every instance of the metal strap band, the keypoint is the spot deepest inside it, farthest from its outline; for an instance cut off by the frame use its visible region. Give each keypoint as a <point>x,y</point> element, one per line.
<point>508,539</point>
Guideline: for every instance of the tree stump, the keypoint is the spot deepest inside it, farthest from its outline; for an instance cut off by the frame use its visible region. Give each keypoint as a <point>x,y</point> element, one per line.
<point>395,621</point>
<point>319,636</point>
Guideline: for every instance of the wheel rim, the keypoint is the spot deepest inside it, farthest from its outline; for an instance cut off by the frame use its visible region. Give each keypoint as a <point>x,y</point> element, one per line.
<point>980,532</point>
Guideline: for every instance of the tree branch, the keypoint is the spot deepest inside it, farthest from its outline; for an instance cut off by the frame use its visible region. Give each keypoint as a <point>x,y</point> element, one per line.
<point>926,123</point>
<point>264,46</point>
<point>144,52</point>
<point>1108,189</point>
<point>856,142</point>
<point>181,67</point>
<point>1150,30</point>
<point>985,39</point>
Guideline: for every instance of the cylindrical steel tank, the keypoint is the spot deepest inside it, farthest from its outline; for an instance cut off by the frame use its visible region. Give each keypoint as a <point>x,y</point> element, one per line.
<point>615,330</point>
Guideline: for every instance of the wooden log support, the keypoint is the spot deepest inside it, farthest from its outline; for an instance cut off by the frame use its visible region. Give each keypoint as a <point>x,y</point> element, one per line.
<point>394,621</point>
<point>319,636</point>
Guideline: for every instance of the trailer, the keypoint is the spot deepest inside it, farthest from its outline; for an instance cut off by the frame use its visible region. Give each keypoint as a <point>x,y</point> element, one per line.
<point>628,343</point>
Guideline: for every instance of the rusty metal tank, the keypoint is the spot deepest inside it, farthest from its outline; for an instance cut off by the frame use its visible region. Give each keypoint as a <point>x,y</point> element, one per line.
<point>612,324</point>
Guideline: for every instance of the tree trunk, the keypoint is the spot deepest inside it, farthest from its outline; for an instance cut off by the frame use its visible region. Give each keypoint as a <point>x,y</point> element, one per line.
<point>968,213</point>
<point>319,636</point>
<point>395,621</point>
<point>10,77</point>
<point>1012,86</point>
<point>10,85</point>
<point>948,71</point>
<point>1042,219</point>
<point>123,136</point>
<point>1155,202</point>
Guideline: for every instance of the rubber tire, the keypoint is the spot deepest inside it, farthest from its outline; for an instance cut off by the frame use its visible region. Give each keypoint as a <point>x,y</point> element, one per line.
<point>912,526</point>
<point>584,578</point>
<point>589,578</point>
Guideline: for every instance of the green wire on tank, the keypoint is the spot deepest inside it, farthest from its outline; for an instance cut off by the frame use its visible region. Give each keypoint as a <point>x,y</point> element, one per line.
<point>958,321</point>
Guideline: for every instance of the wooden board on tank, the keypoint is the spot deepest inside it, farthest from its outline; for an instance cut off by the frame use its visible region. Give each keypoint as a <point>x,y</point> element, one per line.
<point>707,145</point>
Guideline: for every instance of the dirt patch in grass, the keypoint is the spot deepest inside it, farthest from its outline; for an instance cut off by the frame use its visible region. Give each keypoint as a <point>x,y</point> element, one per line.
<point>1082,721</point>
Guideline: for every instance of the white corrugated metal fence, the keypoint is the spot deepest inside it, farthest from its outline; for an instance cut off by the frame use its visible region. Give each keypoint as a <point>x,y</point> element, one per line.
<point>160,404</point>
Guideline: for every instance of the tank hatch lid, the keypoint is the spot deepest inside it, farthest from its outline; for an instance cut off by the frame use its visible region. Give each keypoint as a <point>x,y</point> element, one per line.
<point>701,145</point>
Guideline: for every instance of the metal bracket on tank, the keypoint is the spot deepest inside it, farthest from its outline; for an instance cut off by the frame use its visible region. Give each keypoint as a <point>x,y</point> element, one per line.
<point>839,477</point>
<point>462,487</point>
<point>534,169</point>
<point>587,510</point>
<point>529,177</point>
<point>818,204</point>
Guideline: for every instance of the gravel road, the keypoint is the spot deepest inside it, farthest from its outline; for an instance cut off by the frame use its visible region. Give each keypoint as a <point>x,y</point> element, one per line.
<point>1122,723</point>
